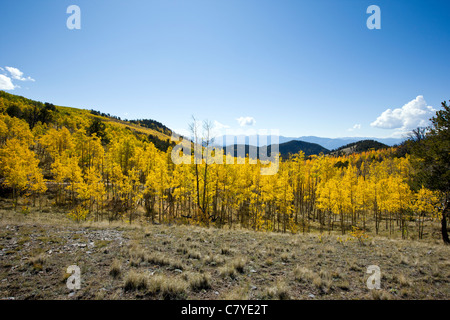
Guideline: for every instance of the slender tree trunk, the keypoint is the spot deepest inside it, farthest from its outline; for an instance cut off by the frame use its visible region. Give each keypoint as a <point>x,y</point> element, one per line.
<point>444,225</point>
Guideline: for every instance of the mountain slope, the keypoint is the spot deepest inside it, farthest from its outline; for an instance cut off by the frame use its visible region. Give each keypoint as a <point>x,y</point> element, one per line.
<point>285,149</point>
<point>36,113</point>
<point>359,146</point>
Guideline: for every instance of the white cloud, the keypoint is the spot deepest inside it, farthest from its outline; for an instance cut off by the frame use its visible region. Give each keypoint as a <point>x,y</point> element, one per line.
<point>355,127</point>
<point>181,132</point>
<point>217,129</point>
<point>246,121</point>
<point>220,126</point>
<point>415,113</point>
<point>6,83</point>
<point>17,74</point>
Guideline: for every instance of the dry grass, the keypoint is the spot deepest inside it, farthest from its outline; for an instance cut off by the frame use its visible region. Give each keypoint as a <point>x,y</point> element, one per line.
<point>143,261</point>
<point>381,295</point>
<point>194,255</point>
<point>162,260</point>
<point>279,291</point>
<point>227,271</point>
<point>37,262</point>
<point>402,280</point>
<point>135,281</point>
<point>116,269</point>
<point>239,264</point>
<point>238,293</point>
<point>198,282</point>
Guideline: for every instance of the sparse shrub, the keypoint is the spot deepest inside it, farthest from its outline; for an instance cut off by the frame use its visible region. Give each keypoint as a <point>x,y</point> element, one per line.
<point>194,255</point>
<point>317,282</point>
<point>182,250</point>
<point>137,256</point>
<point>326,281</point>
<point>303,274</point>
<point>227,271</point>
<point>435,271</point>
<point>284,257</point>
<point>25,210</point>
<point>343,284</point>
<point>239,293</point>
<point>116,269</point>
<point>37,262</point>
<point>239,264</point>
<point>359,234</point>
<point>135,281</point>
<point>268,262</point>
<point>279,291</point>
<point>173,289</point>
<point>161,260</point>
<point>214,260</point>
<point>155,283</point>
<point>404,260</point>
<point>39,259</point>
<point>380,295</point>
<point>158,259</point>
<point>320,238</point>
<point>402,280</point>
<point>199,282</point>
<point>225,251</point>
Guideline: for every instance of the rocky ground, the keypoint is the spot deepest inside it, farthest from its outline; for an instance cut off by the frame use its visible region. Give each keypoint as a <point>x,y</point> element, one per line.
<point>144,261</point>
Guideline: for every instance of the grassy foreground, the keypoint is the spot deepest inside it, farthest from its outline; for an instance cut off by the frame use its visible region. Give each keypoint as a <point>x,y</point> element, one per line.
<point>143,261</point>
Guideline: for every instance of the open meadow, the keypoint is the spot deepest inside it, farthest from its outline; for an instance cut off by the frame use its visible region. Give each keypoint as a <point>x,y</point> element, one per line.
<point>150,261</point>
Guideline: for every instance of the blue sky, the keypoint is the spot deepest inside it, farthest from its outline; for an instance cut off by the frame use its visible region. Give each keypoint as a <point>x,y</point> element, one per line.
<point>303,67</point>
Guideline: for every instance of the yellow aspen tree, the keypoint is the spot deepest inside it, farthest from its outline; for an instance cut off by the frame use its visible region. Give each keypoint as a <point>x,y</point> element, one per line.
<point>425,205</point>
<point>19,167</point>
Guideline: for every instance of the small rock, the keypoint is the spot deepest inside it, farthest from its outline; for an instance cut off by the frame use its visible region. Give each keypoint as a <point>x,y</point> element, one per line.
<point>216,293</point>
<point>311,295</point>
<point>178,270</point>
<point>254,288</point>
<point>71,294</point>
<point>252,270</point>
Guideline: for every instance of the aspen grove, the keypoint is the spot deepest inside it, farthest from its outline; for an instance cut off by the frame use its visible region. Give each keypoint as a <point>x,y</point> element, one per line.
<point>117,173</point>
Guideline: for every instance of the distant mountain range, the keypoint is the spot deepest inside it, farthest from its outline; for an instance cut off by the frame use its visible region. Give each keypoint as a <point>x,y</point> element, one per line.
<point>290,147</point>
<point>327,143</point>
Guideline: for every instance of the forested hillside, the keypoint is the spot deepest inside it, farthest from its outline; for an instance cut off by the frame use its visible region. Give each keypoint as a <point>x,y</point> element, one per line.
<point>103,168</point>
<point>285,149</point>
<point>359,146</point>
